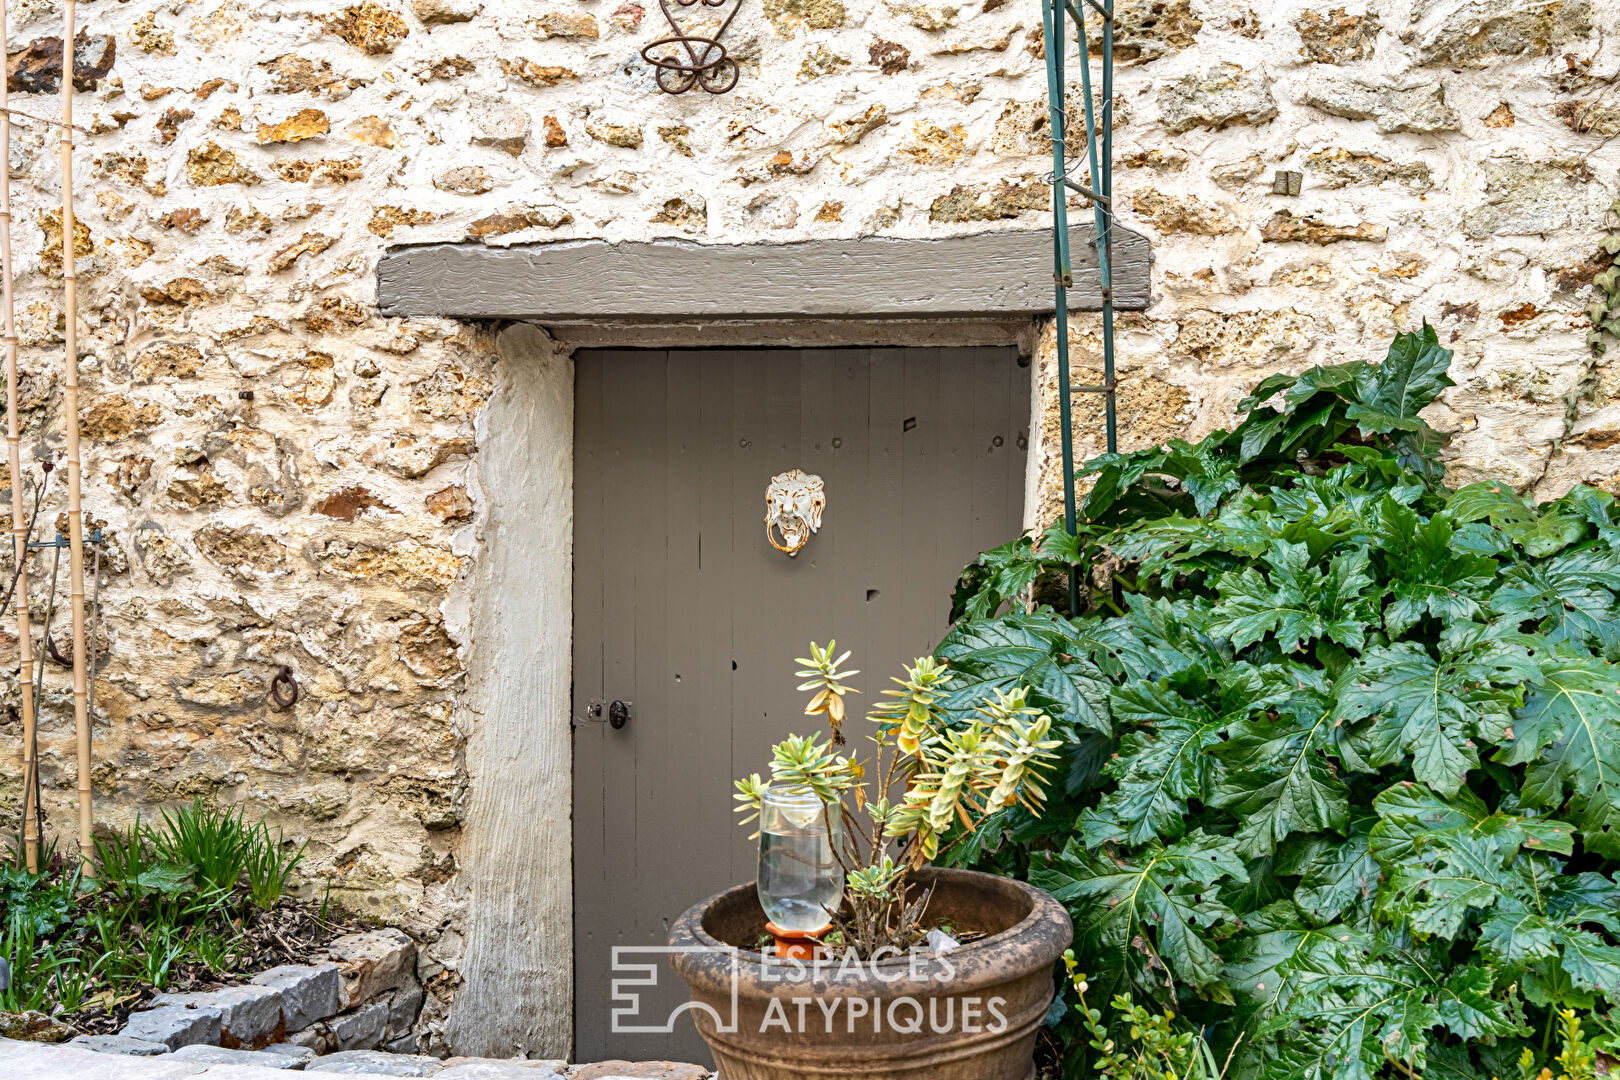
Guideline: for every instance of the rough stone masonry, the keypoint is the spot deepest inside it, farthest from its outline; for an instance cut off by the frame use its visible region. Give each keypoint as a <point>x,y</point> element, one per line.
<point>284,476</point>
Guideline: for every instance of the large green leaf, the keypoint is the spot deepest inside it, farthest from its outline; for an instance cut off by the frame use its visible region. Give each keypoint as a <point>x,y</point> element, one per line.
<point>1432,709</point>
<point>1569,597</point>
<point>1348,1021</point>
<point>987,656</point>
<point>1280,776</point>
<point>1568,734</point>
<point>1150,919</point>
<point>1158,767</point>
<point>1454,872</point>
<point>1337,876</point>
<point>1294,601</point>
<point>1411,376</point>
<point>1427,576</point>
<point>1540,532</point>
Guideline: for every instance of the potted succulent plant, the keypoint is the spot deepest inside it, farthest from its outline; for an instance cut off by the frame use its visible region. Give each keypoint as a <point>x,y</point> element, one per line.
<point>882,965</point>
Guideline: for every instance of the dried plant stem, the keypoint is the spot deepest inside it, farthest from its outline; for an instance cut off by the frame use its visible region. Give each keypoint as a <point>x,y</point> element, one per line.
<point>19,520</point>
<point>70,290</point>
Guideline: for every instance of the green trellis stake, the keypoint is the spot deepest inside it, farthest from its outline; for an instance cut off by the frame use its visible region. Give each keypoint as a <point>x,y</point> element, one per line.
<point>1100,154</point>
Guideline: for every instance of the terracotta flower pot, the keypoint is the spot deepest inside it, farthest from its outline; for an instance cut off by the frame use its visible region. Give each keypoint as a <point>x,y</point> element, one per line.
<point>970,1015</point>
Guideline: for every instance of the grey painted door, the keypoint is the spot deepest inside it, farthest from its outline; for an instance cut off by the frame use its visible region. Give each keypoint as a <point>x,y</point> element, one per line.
<point>683,610</point>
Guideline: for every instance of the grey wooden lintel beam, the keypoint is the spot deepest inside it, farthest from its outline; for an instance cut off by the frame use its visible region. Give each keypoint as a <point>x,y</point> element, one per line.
<point>984,274</point>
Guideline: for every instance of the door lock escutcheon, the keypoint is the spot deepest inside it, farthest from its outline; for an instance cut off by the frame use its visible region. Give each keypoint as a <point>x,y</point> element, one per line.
<point>617,713</point>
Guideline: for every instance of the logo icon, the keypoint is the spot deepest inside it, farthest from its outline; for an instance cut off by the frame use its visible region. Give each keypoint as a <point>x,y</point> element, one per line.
<point>641,966</point>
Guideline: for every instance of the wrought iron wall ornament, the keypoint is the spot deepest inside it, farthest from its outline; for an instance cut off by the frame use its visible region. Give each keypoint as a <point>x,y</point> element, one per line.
<point>793,506</point>
<point>694,60</point>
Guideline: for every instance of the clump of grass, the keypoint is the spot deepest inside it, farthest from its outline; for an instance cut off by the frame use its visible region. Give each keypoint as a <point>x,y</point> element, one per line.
<point>267,868</point>
<point>214,844</point>
<point>167,897</point>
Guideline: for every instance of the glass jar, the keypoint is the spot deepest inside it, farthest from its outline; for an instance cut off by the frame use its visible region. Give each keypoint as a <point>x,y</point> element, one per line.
<point>800,881</point>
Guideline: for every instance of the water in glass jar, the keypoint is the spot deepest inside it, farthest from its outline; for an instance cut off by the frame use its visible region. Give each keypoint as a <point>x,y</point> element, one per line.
<point>799,881</point>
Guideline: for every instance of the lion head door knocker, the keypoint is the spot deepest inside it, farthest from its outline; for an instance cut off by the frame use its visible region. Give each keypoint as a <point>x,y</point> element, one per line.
<point>693,56</point>
<point>793,506</point>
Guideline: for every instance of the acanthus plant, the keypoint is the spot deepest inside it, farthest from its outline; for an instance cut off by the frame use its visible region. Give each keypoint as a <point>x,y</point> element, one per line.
<point>1341,762</point>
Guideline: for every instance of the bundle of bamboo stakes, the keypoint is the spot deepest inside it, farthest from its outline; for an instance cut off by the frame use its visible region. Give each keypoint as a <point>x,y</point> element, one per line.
<point>75,512</point>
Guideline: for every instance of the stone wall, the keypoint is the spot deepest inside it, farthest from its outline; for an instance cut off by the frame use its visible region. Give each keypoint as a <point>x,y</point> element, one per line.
<point>286,477</point>
<point>1456,162</point>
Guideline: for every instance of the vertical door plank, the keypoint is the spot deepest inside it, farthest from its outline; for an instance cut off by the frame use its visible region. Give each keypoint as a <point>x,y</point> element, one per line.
<point>589,825</point>
<point>752,459</point>
<point>711,625</point>
<point>1020,391</point>
<point>991,443</point>
<point>888,533</point>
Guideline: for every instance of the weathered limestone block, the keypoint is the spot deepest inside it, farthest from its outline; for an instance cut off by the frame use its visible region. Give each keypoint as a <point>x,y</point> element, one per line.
<point>1420,107</point>
<point>544,75</point>
<point>372,963</point>
<point>119,1044</point>
<point>301,125</point>
<point>408,564</point>
<point>465,180</point>
<point>362,1029</point>
<point>991,202</point>
<point>1589,116</point>
<point>245,553</point>
<point>369,27</point>
<point>501,125</point>
<point>688,213</point>
<point>1336,38</point>
<point>1145,30</point>
<point>1479,32</point>
<point>1215,98</point>
<point>441,12</point>
<point>249,1016</point>
<point>615,131</point>
<point>1336,167</point>
<point>1525,198</point>
<point>362,1062</point>
<point>1188,214</point>
<point>789,16</point>
<point>211,165</point>
<point>564,24</point>
<point>37,67</point>
<point>924,16</point>
<point>175,1026</point>
<point>219,1055</point>
<point>309,992</point>
<point>315,1038</point>
<point>1284,226</point>
<point>167,360</point>
<point>516,219</point>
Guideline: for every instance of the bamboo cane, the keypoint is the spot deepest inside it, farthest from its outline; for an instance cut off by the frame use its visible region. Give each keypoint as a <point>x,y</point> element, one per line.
<point>19,519</point>
<point>70,290</point>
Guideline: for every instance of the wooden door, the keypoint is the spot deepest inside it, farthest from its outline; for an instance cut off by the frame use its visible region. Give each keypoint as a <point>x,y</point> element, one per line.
<point>685,611</point>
